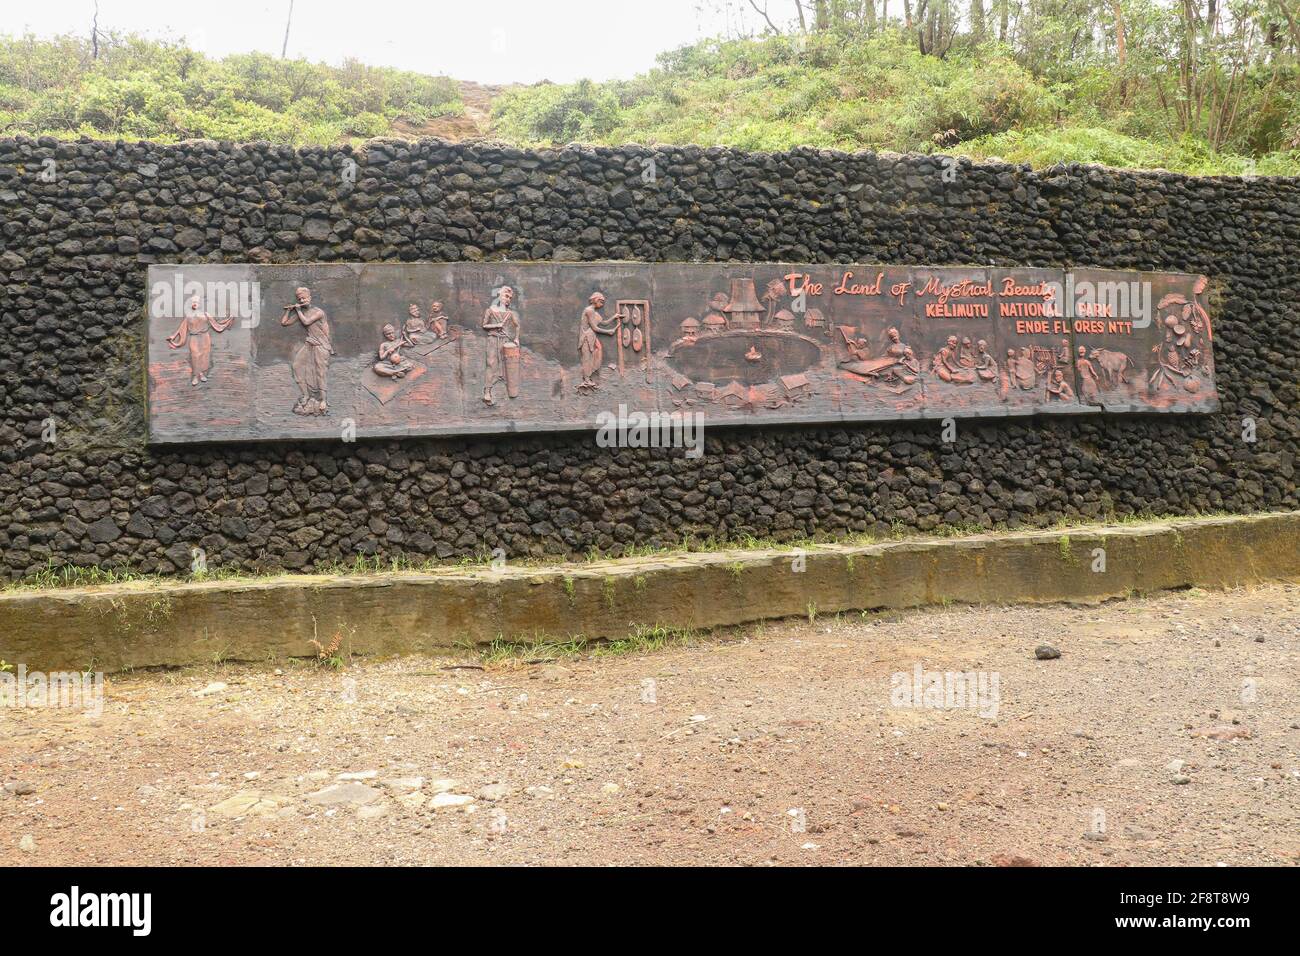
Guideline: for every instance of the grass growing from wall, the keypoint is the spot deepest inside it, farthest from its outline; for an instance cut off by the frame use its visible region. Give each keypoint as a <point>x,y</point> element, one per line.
<point>56,576</point>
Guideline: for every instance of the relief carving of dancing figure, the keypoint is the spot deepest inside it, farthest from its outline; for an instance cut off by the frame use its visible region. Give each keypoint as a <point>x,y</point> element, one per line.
<point>501,364</point>
<point>196,330</point>
<point>311,358</point>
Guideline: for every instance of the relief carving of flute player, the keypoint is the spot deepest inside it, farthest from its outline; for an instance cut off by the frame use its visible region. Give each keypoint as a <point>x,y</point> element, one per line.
<point>311,358</point>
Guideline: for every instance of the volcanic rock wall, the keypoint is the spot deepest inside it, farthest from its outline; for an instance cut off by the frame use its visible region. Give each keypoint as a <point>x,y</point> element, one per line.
<point>80,221</point>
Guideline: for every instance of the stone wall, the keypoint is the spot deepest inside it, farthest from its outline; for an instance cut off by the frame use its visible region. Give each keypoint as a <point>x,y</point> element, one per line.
<point>79,485</point>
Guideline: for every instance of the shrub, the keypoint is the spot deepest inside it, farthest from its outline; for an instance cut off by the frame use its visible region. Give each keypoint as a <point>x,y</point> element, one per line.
<point>556,113</point>
<point>165,91</point>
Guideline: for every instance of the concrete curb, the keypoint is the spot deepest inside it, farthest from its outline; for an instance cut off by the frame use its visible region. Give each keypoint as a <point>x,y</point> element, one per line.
<point>146,624</point>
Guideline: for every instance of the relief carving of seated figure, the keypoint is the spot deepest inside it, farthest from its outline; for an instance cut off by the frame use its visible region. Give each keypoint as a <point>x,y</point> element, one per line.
<point>862,364</point>
<point>437,320</point>
<point>898,369</point>
<point>391,364</point>
<point>414,331</point>
<point>947,364</point>
<point>1058,388</point>
<point>985,367</point>
<point>907,371</point>
<point>966,357</point>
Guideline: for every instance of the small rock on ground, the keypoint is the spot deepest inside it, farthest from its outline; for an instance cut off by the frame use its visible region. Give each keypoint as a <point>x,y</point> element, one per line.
<point>344,793</point>
<point>442,801</point>
<point>245,803</point>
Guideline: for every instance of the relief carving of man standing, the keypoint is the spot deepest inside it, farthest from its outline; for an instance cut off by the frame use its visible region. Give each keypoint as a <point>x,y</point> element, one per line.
<point>311,359</point>
<point>1089,380</point>
<point>591,326</point>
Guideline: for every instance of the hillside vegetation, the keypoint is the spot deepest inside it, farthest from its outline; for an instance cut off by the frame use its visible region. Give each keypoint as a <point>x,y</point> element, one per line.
<point>1194,86</point>
<point>1198,86</point>
<point>133,88</point>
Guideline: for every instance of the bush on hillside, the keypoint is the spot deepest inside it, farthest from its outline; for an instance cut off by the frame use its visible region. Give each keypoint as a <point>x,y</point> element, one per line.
<point>555,113</point>
<point>141,88</point>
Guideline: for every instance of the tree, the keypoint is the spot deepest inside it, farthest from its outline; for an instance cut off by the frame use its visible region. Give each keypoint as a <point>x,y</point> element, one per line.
<point>1121,48</point>
<point>762,11</point>
<point>94,33</point>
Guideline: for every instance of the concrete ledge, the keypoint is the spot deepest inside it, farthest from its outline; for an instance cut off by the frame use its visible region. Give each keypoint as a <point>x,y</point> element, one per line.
<point>149,624</point>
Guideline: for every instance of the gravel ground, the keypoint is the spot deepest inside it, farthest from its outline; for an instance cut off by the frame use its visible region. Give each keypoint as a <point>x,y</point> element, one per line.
<point>1165,733</point>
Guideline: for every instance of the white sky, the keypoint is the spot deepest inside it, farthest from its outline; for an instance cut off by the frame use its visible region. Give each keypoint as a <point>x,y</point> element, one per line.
<point>491,41</point>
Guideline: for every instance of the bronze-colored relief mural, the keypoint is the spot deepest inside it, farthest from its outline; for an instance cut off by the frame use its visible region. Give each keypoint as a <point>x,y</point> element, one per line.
<point>505,347</point>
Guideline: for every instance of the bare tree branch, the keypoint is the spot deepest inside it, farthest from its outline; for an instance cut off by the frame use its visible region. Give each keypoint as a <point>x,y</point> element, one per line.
<point>763,12</point>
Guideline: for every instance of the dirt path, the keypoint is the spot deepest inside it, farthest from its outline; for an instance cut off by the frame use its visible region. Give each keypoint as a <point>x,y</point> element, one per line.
<point>474,123</point>
<point>779,746</point>
<point>478,103</point>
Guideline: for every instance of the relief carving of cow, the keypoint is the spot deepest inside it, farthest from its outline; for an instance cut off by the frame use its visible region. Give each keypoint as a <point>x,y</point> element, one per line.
<point>1114,366</point>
